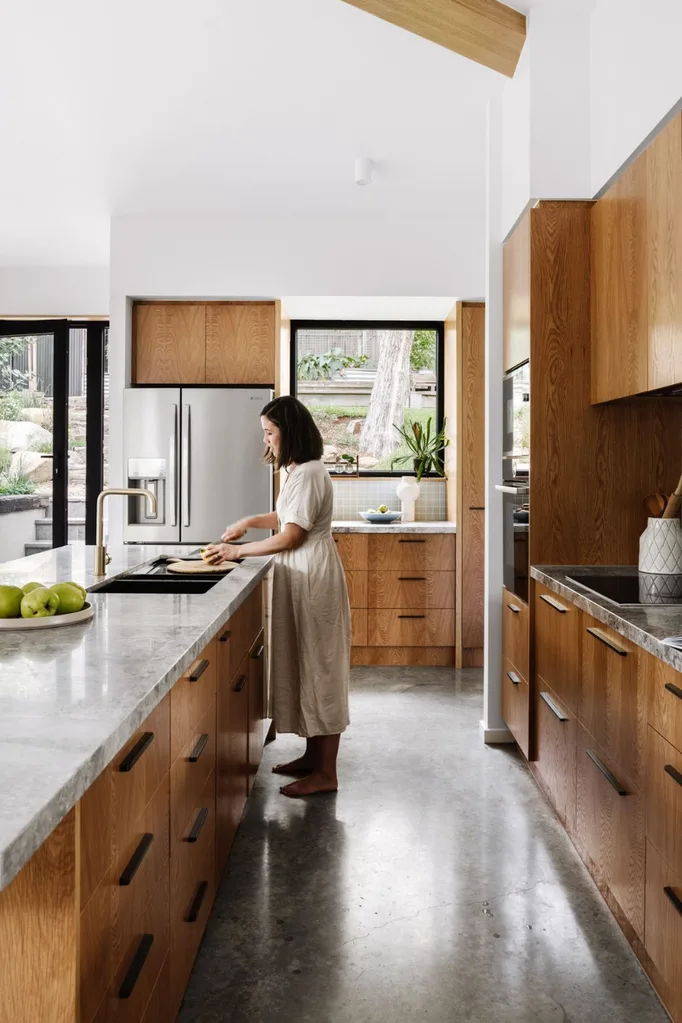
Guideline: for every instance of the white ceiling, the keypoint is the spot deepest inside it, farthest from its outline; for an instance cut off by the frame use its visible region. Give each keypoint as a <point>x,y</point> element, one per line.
<point>252,108</point>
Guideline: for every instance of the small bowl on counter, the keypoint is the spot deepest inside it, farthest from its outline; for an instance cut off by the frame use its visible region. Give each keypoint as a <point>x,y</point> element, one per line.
<point>381,518</point>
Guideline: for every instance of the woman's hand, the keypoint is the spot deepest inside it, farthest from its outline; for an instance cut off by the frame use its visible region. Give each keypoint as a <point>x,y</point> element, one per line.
<point>218,553</point>
<point>235,531</point>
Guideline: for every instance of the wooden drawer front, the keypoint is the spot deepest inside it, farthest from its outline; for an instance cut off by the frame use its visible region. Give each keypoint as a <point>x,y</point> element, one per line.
<point>435,553</point>
<point>112,805</point>
<point>190,771</point>
<point>613,697</point>
<point>358,617</point>
<point>232,760</point>
<point>190,910</point>
<point>430,590</point>
<point>665,698</point>
<point>407,627</point>
<point>239,635</point>
<point>357,588</point>
<point>610,826</point>
<point>191,696</point>
<point>158,1008</point>
<point>555,739</point>
<point>664,799</point>
<point>256,707</point>
<point>515,632</point>
<point>190,850</point>
<point>663,932</point>
<point>353,550</point>
<point>516,705</point>
<point>557,645</point>
<point>141,963</point>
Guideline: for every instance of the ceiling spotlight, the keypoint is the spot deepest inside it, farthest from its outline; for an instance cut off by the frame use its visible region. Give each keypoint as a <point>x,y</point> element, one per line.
<point>363,171</point>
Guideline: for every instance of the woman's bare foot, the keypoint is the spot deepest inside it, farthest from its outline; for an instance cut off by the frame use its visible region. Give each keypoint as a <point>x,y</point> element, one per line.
<point>302,765</point>
<point>316,782</point>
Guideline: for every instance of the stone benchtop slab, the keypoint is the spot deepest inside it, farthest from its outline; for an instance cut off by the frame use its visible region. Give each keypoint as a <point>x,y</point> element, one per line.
<point>645,626</point>
<point>360,526</point>
<point>72,697</point>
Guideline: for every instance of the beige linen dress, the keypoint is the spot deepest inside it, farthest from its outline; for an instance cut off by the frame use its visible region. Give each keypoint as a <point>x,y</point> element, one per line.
<point>311,637</point>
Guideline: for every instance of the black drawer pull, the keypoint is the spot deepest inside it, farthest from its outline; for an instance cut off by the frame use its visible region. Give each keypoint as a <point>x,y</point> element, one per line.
<point>130,980</point>
<point>514,678</point>
<point>476,507</point>
<point>411,578</point>
<point>239,684</point>
<point>675,690</point>
<point>201,668</point>
<point>674,898</point>
<point>198,749</point>
<point>195,908</point>
<point>607,641</point>
<point>411,616</point>
<point>411,541</point>
<point>259,653</point>
<point>136,860</point>
<point>556,711</point>
<point>225,636</point>
<point>143,743</point>
<point>553,603</point>
<point>613,782</point>
<point>198,825</point>
<point>674,773</point>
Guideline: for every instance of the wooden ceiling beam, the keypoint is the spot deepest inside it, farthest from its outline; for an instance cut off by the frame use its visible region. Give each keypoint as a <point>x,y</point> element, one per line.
<point>486,31</point>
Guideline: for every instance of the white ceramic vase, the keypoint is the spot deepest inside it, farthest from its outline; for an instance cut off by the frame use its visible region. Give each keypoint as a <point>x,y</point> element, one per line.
<point>660,547</point>
<point>408,492</point>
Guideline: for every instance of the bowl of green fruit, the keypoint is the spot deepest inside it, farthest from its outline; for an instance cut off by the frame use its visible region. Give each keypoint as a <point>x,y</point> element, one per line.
<point>43,606</point>
<point>380,516</point>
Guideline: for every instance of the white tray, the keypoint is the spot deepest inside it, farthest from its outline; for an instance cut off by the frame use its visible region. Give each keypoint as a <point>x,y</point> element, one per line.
<point>17,624</point>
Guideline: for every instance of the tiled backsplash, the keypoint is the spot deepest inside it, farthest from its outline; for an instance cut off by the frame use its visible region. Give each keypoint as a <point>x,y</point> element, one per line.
<point>353,496</point>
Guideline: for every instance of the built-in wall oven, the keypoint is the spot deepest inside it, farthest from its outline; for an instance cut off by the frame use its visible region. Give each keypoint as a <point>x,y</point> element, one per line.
<point>515,486</point>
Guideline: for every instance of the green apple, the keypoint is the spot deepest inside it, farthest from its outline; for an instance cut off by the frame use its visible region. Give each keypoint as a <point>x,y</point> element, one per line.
<point>383,509</point>
<point>40,603</point>
<point>31,586</point>
<point>76,586</point>
<point>10,601</point>
<point>71,597</point>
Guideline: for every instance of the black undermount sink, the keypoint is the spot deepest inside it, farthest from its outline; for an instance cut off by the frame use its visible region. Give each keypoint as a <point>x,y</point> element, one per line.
<point>158,584</point>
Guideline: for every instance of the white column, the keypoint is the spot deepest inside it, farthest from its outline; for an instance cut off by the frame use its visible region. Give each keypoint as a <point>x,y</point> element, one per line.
<point>492,727</point>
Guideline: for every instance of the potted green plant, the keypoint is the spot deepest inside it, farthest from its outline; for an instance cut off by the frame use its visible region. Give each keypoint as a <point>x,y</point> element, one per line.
<point>425,449</point>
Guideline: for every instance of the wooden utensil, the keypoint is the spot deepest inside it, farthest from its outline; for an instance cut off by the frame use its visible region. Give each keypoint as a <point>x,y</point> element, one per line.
<point>654,505</point>
<point>672,508</point>
<point>199,567</point>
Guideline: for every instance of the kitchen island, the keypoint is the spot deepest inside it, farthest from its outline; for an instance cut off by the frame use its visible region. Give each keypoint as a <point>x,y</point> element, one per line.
<point>82,885</point>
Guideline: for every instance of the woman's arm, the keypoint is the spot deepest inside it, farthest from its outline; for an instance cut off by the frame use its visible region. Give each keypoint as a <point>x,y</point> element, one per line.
<point>238,529</point>
<point>291,537</point>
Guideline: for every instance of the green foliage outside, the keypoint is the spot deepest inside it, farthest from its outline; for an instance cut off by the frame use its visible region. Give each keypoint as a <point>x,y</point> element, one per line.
<point>11,378</point>
<point>423,355</point>
<point>326,366</point>
<point>5,459</point>
<point>13,484</point>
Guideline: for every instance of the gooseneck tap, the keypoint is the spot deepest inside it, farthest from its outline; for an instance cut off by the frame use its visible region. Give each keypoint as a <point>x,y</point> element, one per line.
<point>102,559</point>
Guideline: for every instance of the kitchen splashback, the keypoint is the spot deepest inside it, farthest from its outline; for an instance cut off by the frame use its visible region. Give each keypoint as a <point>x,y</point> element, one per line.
<point>353,496</point>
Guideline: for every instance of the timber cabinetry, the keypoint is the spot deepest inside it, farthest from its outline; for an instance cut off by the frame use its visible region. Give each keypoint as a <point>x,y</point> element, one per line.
<point>637,274</point>
<point>516,702</point>
<point>204,343</point>
<point>557,648</point>
<point>555,746</point>
<point>516,271</point>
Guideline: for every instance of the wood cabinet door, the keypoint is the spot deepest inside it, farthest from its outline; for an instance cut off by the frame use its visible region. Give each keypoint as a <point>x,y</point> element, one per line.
<point>516,705</point>
<point>664,255</point>
<point>232,756</point>
<point>555,752</point>
<point>619,287</point>
<point>516,295</point>
<point>435,553</point>
<point>240,343</point>
<point>515,632</point>
<point>169,345</point>
<point>432,590</point>
<point>557,639</point>
<point>410,627</point>
<point>663,931</point>
<point>191,696</point>
<point>665,698</point>
<point>664,799</point>
<point>256,707</point>
<point>353,550</point>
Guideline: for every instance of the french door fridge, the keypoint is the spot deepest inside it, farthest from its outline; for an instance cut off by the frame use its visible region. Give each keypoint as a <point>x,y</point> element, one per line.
<point>200,450</point>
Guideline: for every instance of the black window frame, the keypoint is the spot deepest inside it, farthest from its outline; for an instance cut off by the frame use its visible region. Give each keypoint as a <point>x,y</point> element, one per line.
<point>438,326</point>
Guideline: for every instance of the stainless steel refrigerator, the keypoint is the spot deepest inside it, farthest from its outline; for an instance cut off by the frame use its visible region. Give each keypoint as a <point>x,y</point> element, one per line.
<point>200,450</point>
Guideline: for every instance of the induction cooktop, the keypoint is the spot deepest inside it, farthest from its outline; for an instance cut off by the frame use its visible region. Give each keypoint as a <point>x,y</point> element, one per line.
<point>638,589</point>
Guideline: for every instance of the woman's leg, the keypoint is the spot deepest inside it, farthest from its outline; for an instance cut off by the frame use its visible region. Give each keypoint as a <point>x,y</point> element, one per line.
<point>305,764</point>
<point>323,777</point>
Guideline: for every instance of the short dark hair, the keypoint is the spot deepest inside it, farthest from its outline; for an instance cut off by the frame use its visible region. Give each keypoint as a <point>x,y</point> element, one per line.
<point>301,441</point>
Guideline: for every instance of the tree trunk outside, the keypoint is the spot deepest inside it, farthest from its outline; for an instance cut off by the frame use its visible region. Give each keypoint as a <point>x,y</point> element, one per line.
<point>390,394</point>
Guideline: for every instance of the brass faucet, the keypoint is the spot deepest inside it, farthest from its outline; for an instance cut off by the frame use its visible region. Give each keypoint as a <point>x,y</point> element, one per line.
<point>102,559</point>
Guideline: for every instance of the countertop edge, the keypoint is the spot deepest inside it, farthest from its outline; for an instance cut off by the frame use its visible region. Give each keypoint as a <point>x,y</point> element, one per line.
<point>430,527</point>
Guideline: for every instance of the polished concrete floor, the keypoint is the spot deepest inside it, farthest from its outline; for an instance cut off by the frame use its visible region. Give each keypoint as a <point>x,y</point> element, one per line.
<point>436,885</point>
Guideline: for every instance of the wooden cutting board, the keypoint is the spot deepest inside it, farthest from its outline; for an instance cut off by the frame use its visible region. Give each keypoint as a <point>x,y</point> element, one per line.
<point>194,567</point>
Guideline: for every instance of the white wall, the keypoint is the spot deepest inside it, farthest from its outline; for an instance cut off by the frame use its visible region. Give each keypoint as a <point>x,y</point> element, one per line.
<point>54,291</point>
<point>636,75</point>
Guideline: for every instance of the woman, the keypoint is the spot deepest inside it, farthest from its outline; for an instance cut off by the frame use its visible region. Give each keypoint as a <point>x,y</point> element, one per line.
<point>311,636</point>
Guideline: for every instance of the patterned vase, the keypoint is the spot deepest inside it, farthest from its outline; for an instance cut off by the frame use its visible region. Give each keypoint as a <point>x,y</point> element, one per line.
<point>408,492</point>
<point>660,547</point>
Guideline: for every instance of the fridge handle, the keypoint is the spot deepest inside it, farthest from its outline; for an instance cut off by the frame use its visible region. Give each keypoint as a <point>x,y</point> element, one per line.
<point>186,471</point>
<point>173,469</point>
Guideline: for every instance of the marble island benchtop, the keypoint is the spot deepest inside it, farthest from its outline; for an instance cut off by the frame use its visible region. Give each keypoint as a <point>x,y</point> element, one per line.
<point>71,697</point>
<point>360,526</point>
<point>646,626</point>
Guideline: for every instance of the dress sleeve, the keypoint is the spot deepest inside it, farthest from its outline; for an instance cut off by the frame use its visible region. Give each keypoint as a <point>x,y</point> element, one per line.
<point>304,498</point>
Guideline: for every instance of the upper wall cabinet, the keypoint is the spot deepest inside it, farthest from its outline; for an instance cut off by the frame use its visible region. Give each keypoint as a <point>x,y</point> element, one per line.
<point>204,343</point>
<point>637,274</point>
<point>516,295</point>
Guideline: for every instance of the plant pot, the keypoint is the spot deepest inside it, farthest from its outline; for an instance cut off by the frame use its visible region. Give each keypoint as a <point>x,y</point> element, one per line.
<point>660,547</point>
<point>408,492</point>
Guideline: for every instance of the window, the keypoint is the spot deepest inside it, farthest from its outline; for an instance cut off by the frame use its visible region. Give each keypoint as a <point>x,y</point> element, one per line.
<point>364,380</point>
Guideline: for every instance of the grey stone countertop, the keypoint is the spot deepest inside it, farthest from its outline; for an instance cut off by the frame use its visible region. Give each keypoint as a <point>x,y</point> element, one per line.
<point>643,625</point>
<point>360,526</point>
<point>71,697</point>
